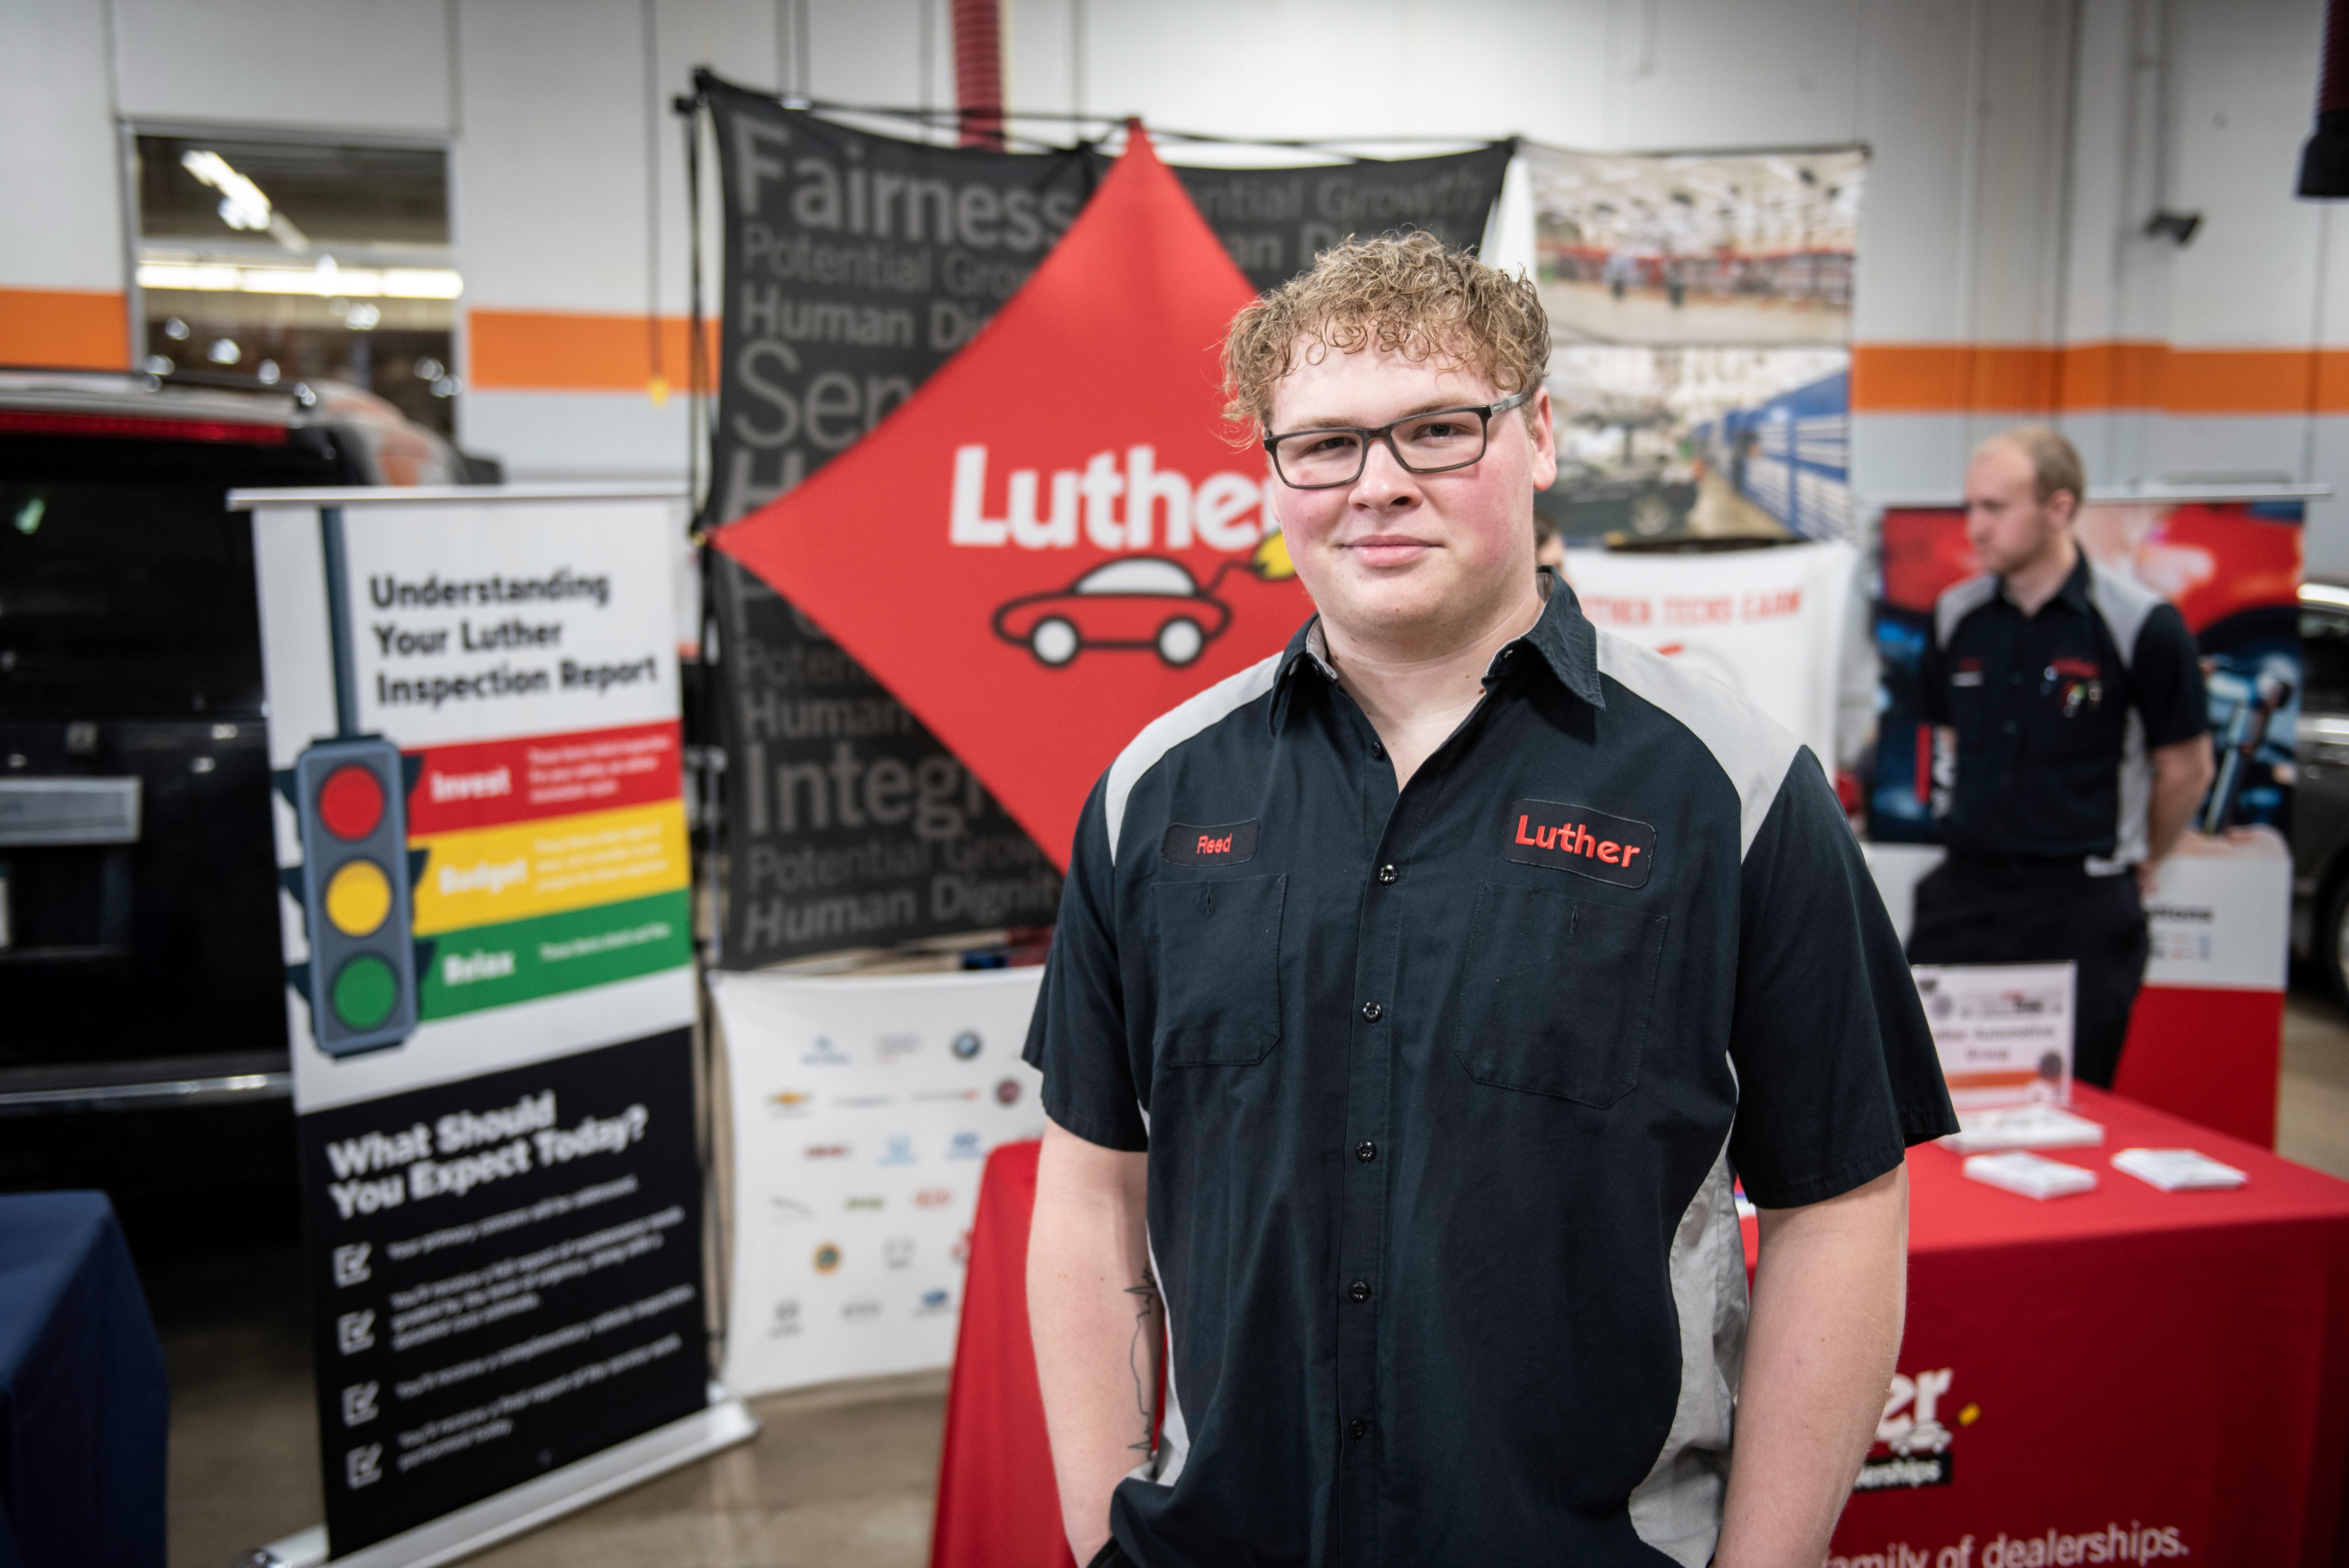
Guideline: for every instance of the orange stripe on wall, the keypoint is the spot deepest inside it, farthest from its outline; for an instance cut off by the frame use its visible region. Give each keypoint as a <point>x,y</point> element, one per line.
<point>66,328</point>
<point>1997,378</point>
<point>568,351</point>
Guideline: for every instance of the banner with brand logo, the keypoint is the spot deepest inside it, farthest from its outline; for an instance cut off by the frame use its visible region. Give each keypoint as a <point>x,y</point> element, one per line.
<point>1054,541</point>
<point>1274,222</point>
<point>864,1110</point>
<point>473,714</point>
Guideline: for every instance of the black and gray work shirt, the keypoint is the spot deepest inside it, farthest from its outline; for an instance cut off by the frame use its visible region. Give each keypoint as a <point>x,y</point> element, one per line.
<point>2055,713</point>
<point>1443,1092</point>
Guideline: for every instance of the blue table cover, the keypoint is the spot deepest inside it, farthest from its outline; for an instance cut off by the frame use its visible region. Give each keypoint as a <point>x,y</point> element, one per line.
<point>84,1408</point>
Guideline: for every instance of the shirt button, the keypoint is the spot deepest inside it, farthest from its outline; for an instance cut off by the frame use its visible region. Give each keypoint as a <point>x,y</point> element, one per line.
<point>1357,1428</point>
<point>1387,875</point>
<point>1377,750</point>
<point>1366,1151</point>
<point>2010,727</point>
<point>1373,1012</point>
<point>1360,1290</point>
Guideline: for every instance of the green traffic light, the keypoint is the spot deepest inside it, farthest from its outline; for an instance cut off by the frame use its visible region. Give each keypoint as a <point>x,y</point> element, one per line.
<point>365,992</point>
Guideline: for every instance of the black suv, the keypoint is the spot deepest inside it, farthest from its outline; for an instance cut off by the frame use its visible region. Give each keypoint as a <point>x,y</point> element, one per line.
<point>141,963</point>
<point>2320,801</point>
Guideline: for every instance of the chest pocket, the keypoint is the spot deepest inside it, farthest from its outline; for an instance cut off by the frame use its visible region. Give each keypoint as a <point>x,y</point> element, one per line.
<point>1219,971</point>
<point>1559,993</point>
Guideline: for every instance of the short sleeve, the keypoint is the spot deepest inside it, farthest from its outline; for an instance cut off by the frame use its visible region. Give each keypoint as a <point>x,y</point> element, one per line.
<point>1934,676</point>
<point>1077,1037</point>
<point>2165,679</point>
<point>1837,1072</point>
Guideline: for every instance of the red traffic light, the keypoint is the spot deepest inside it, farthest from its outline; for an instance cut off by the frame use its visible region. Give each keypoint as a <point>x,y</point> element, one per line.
<point>350,802</point>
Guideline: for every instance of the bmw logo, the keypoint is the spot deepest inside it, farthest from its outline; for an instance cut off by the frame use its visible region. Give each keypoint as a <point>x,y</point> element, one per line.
<point>966,1045</point>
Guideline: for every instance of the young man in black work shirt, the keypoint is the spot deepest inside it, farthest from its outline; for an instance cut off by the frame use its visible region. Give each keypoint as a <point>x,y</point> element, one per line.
<point>2068,701</point>
<point>1416,996</point>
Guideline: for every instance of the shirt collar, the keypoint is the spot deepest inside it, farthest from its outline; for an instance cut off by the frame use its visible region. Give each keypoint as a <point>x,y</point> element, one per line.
<point>1563,636</point>
<point>2073,595</point>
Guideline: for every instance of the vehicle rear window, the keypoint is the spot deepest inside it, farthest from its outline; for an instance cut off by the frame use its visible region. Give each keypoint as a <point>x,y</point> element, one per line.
<point>2325,660</point>
<point>122,600</point>
<point>126,583</point>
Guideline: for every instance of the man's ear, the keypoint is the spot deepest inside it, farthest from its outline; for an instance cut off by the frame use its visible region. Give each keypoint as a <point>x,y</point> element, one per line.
<point>2064,507</point>
<point>1542,433</point>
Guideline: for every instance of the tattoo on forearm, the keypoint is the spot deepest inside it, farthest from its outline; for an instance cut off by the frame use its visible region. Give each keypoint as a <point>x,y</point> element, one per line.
<point>1141,1357</point>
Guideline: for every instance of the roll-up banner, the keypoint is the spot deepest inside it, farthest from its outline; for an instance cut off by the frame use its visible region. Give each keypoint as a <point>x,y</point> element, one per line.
<point>1771,625</point>
<point>473,724</point>
<point>856,264</point>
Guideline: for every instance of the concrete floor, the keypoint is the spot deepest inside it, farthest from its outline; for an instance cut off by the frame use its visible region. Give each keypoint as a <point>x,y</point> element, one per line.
<point>839,1477</point>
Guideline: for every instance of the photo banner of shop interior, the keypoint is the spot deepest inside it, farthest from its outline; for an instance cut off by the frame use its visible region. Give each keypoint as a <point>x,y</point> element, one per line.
<point>473,721</point>
<point>864,1110</point>
<point>1702,308</point>
<point>2204,1041</point>
<point>1771,623</point>
<point>1062,511</point>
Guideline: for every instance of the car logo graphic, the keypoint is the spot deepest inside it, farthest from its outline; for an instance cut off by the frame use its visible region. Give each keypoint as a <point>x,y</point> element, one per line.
<point>1142,602</point>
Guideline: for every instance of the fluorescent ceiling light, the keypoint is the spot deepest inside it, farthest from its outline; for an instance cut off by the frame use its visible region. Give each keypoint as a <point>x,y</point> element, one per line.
<point>243,203</point>
<point>325,280</point>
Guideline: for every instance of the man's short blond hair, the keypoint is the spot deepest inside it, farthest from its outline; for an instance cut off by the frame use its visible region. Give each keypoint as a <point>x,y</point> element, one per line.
<point>1405,295</point>
<point>2054,462</point>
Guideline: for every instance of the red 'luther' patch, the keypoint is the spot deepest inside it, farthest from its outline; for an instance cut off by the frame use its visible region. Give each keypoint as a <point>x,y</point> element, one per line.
<point>1593,844</point>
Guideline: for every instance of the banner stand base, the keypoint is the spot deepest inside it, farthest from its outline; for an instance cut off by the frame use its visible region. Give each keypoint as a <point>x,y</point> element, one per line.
<point>538,1502</point>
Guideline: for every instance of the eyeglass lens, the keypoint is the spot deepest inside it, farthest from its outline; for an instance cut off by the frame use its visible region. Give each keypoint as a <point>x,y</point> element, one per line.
<point>1437,440</point>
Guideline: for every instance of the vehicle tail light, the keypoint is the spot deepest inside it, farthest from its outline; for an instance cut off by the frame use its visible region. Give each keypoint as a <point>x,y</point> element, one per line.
<point>26,422</point>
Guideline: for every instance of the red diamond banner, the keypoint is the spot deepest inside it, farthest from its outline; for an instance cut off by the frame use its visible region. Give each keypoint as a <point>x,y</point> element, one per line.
<point>1053,541</point>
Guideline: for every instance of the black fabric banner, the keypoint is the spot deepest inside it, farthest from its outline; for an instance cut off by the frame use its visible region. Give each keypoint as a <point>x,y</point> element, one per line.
<point>508,1278</point>
<point>1276,220</point>
<point>847,823</point>
<point>855,265</point>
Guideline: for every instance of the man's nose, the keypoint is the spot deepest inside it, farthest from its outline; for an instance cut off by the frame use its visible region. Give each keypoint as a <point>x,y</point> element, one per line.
<point>1384,478</point>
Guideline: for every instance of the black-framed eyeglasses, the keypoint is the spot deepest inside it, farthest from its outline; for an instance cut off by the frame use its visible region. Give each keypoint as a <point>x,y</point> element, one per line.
<point>1427,443</point>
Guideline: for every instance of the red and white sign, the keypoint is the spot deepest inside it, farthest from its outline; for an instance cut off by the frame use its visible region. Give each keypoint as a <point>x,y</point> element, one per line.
<point>1055,540</point>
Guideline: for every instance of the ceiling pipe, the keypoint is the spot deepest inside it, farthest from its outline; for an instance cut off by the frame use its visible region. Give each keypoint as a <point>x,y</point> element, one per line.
<point>978,71</point>
<point>2325,161</point>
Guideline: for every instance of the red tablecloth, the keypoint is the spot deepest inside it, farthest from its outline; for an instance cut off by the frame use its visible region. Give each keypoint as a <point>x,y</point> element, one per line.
<point>2121,1362</point>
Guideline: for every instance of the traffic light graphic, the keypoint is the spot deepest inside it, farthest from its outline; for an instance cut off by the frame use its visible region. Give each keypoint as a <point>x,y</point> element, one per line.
<point>353,810</point>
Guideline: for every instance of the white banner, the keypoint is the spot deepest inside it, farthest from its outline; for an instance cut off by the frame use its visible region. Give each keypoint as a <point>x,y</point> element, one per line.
<point>486,917</point>
<point>864,1110</point>
<point>2004,1031</point>
<point>1767,623</point>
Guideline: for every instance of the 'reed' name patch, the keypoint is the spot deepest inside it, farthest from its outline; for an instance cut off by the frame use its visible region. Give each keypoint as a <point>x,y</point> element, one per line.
<point>1577,839</point>
<point>1186,845</point>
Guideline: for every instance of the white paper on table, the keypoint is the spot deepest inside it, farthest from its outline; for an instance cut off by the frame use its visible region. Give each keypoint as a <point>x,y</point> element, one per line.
<point>2178,1169</point>
<point>2029,1174</point>
<point>2037,1126</point>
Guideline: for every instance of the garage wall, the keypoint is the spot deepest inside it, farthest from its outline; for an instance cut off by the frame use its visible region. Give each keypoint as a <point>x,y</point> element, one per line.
<point>2018,147</point>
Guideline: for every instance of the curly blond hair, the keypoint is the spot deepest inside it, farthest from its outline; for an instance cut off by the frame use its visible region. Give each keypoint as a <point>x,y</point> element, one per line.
<point>1403,293</point>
